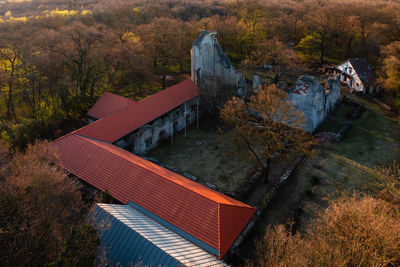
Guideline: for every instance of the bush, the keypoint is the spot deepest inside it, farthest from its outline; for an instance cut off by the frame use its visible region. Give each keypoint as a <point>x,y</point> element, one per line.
<point>315,180</point>
<point>39,206</point>
<point>353,231</point>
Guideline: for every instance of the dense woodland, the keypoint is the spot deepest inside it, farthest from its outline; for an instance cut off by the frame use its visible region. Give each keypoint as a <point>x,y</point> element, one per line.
<point>58,56</point>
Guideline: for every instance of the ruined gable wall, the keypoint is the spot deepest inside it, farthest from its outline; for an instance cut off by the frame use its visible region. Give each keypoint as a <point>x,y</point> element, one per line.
<point>332,95</point>
<point>210,63</point>
<point>314,100</point>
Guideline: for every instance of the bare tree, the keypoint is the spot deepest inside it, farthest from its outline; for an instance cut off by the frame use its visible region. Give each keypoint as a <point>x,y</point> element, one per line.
<point>78,45</point>
<point>40,207</point>
<point>159,38</point>
<point>269,125</point>
<point>10,60</point>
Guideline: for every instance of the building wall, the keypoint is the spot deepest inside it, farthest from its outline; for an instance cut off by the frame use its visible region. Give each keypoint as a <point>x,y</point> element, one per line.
<point>315,101</point>
<point>211,64</point>
<point>152,134</point>
<point>348,69</point>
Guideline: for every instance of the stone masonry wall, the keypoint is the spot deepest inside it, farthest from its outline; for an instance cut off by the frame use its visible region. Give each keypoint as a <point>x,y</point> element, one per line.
<point>315,101</point>
<point>152,134</point>
<point>211,64</point>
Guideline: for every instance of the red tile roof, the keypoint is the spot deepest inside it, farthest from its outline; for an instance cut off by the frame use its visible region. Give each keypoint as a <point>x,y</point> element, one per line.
<point>207,215</point>
<point>136,114</point>
<point>108,104</point>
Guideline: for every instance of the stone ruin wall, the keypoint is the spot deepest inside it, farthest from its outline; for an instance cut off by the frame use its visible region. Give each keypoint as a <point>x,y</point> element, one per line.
<point>315,100</point>
<point>152,134</point>
<point>211,66</point>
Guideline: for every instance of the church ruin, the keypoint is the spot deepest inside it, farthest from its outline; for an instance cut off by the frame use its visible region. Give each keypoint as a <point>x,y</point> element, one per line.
<point>212,67</point>
<point>315,100</point>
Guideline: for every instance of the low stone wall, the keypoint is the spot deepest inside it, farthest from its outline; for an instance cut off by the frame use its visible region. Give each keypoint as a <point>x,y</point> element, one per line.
<point>260,210</point>
<point>327,137</point>
<point>380,103</point>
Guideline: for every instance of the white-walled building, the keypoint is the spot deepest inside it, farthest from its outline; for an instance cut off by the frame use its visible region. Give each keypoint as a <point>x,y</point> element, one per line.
<point>356,74</point>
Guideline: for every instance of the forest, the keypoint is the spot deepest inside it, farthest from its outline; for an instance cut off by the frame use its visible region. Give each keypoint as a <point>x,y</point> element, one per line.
<point>57,57</point>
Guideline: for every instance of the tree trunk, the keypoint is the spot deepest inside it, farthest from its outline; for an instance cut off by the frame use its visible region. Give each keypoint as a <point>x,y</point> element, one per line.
<point>164,79</point>
<point>348,47</point>
<point>322,52</point>
<point>10,91</point>
<point>266,170</point>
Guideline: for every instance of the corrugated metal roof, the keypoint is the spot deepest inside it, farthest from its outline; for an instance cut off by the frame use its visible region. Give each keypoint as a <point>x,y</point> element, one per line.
<point>129,237</point>
<point>108,104</point>
<point>136,114</point>
<point>207,215</point>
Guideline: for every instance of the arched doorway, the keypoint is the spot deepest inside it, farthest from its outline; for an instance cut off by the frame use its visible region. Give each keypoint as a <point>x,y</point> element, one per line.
<point>149,143</point>
<point>162,136</point>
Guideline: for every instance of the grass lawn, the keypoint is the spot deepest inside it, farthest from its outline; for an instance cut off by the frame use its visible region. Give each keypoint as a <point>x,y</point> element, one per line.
<point>347,166</point>
<point>209,156</point>
<point>337,118</point>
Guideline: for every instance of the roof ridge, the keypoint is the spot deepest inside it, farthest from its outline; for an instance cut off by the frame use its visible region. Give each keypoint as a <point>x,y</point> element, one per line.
<point>124,97</point>
<point>161,175</point>
<point>74,132</point>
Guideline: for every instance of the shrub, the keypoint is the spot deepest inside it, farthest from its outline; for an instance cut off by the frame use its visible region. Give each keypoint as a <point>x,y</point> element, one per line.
<point>39,206</point>
<point>315,180</point>
<point>352,231</point>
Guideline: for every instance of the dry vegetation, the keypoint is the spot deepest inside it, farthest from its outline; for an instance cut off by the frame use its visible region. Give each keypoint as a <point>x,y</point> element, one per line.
<point>41,213</point>
<point>346,229</point>
<point>58,56</point>
<point>209,156</point>
<point>352,231</point>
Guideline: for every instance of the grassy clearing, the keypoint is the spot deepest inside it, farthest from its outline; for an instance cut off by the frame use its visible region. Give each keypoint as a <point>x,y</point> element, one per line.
<point>333,169</point>
<point>209,156</point>
<point>347,166</point>
<point>215,158</point>
<point>337,118</point>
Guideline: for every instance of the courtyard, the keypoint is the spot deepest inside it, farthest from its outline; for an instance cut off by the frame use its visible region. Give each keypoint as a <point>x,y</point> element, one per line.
<point>214,158</point>
<point>209,156</point>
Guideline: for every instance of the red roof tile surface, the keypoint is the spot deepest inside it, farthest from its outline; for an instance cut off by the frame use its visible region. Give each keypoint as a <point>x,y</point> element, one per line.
<point>108,104</point>
<point>136,114</point>
<point>209,216</point>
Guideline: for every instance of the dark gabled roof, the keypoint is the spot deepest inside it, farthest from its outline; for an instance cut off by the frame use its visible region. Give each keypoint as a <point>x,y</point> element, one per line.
<point>363,70</point>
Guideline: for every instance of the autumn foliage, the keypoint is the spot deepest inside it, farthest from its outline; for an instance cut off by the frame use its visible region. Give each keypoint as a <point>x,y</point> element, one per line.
<point>352,231</point>
<point>40,209</point>
<point>269,125</point>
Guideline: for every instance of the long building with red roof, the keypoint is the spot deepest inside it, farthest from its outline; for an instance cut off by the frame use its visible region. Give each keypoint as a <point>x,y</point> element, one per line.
<point>142,125</point>
<point>207,218</point>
